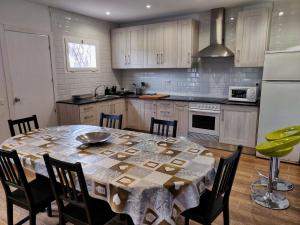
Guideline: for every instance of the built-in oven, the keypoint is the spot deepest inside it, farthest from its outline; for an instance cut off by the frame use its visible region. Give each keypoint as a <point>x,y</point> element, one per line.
<point>204,118</point>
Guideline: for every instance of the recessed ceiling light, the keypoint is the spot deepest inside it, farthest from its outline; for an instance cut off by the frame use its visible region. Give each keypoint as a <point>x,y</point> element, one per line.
<point>107,13</point>
<point>232,18</point>
<point>148,6</point>
<point>281,13</point>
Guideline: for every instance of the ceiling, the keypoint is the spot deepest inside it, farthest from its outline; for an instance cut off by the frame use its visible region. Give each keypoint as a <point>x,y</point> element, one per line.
<point>132,10</point>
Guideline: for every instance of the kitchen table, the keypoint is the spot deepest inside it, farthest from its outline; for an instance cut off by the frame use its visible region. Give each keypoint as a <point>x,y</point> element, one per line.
<point>149,177</point>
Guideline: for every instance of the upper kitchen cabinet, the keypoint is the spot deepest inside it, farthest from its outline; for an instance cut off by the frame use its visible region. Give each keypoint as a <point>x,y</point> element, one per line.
<point>252,37</point>
<point>188,42</point>
<point>160,48</point>
<point>128,47</point>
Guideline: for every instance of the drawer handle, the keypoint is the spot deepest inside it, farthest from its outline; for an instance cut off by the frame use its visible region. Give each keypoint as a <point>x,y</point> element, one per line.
<point>88,117</point>
<point>87,108</point>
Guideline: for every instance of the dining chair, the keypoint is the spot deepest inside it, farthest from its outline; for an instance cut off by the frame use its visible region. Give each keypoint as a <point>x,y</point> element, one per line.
<point>34,196</point>
<point>74,202</point>
<point>111,120</point>
<point>23,124</point>
<point>213,202</point>
<point>163,127</point>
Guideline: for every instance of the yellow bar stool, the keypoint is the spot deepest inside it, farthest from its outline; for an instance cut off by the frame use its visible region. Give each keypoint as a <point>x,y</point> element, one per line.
<point>274,149</point>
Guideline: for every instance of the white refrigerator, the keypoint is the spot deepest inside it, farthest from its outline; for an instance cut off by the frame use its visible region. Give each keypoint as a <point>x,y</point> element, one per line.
<point>280,96</point>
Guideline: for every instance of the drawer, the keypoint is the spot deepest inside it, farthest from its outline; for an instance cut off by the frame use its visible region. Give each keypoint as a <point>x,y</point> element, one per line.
<point>88,108</point>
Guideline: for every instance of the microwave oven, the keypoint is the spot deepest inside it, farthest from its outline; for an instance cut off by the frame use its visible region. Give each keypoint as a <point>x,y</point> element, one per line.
<point>243,94</point>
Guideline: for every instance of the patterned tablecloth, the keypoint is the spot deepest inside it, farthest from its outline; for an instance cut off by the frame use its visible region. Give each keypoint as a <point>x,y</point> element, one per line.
<point>151,178</point>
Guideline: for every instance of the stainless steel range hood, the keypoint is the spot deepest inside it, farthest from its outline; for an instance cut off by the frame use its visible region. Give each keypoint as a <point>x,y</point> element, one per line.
<point>217,47</point>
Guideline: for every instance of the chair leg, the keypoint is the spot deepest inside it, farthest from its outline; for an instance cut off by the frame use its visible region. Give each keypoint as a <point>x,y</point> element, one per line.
<point>226,214</point>
<point>49,210</point>
<point>32,219</point>
<point>10,217</point>
<point>186,221</point>
<point>61,219</point>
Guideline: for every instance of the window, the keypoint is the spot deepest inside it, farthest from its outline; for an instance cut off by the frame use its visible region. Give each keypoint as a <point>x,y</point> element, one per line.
<point>81,55</point>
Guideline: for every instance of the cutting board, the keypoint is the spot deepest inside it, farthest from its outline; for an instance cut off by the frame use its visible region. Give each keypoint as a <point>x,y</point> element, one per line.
<point>153,97</point>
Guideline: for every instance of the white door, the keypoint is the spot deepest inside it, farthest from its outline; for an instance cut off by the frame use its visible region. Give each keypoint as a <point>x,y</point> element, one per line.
<point>4,112</point>
<point>29,75</point>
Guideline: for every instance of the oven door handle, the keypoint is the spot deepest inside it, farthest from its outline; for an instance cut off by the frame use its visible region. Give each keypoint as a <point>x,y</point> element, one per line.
<point>204,111</point>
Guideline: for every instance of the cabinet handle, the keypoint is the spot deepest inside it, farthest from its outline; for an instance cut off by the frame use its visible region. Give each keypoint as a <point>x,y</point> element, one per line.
<point>88,117</point>
<point>125,60</point>
<point>157,58</point>
<point>88,108</point>
<point>161,58</point>
<point>238,52</point>
<point>189,58</point>
<point>129,59</point>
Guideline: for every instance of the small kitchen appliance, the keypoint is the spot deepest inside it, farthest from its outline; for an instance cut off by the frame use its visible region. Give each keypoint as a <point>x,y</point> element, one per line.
<point>243,94</point>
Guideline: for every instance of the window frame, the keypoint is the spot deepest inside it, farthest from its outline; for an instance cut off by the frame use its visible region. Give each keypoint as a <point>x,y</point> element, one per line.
<point>80,40</point>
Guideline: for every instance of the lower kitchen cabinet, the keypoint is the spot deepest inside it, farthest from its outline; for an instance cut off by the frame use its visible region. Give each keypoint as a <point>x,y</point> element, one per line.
<point>238,125</point>
<point>148,110</point>
<point>69,114</point>
<point>165,110</point>
<point>134,113</point>
<point>181,114</point>
<point>89,114</point>
<point>139,113</point>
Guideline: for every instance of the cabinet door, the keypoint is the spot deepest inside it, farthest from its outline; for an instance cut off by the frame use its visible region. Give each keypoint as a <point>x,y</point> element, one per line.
<point>239,125</point>
<point>88,114</point>
<point>149,110</point>
<point>184,43</point>
<point>252,37</point>
<point>136,47</point>
<point>153,37</point>
<point>103,107</point>
<point>168,52</point>
<point>119,49</point>
<point>181,114</point>
<point>134,114</point>
<point>118,108</point>
<point>165,110</point>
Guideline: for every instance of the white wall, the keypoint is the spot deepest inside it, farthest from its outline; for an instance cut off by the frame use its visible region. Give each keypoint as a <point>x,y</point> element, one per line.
<point>75,25</point>
<point>25,15</point>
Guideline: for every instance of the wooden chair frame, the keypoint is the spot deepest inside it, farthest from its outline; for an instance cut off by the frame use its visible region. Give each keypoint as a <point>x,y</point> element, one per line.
<point>12,175</point>
<point>163,127</point>
<point>217,200</point>
<point>111,120</point>
<point>23,125</point>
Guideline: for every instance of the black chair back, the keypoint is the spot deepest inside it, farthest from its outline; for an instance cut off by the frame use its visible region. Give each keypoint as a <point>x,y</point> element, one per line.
<point>111,120</point>
<point>12,174</point>
<point>63,177</point>
<point>23,125</point>
<point>225,175</point>
<point>163,127</point>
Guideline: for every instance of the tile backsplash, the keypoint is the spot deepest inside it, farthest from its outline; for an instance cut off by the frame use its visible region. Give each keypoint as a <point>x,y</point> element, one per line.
<point>212,78</point>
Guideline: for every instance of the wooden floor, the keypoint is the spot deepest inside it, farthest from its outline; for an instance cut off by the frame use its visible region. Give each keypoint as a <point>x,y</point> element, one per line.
<point>242,210</point>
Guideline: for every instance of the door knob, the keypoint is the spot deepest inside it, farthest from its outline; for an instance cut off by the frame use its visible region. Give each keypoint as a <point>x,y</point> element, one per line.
<point>16,100</point>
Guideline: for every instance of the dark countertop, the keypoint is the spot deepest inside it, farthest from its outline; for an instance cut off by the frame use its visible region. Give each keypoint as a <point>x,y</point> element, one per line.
<point>170,98</point>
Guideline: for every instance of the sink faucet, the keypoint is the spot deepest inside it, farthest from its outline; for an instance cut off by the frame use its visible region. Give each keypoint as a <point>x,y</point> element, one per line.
<point>95,92</point>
